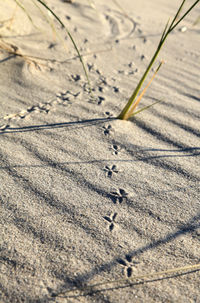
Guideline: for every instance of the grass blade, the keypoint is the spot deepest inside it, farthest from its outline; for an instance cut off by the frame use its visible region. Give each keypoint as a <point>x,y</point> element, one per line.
<point>136,91</point>
<point>135,104</point>
<point>144,108</point>
<point>177,14</point>
<point>71,38</point>
<point>167,30</point>
<point>186,13</point>
<point>25,11</point>
<point>128,281</point>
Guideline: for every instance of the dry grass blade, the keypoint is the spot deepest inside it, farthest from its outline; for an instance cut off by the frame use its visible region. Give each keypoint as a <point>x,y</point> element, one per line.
<point>10,48</point>
<point>24,10</point>
<point>135,104</point>
<point>128,281</point>
<point>43,3</point>
<point>13,50</point>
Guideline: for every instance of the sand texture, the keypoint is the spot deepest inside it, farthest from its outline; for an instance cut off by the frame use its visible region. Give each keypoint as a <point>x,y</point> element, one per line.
<point>86,198</point>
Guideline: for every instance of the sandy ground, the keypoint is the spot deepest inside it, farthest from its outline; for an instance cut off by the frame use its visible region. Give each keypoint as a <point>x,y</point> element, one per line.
<point>86,198</point>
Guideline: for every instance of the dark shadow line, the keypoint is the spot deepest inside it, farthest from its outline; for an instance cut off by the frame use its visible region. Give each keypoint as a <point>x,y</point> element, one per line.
<point>187,228</point>
<point>192,97</point>
<point>161,137</point>
<point>8,58</point>
<point>55,125</point>
<point>179,108</point>
<point>80,280</point>
<point>99,161</point>
<point>185,149</point>
<point>185,127</point>
<point>129,284</point>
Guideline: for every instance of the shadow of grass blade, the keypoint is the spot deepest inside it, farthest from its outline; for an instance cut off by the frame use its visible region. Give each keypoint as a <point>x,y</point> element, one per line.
<point>197,21</point>
<point>71,38</point>
<point>124,115</point>
<point>128,281</point>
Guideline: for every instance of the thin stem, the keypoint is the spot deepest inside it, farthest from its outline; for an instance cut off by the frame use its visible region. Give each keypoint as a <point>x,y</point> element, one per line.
<point>177,14</point>
<point>70,36</point>
<point>187,12</point>
<point>144,277</point>
<point>23,8</point>
<point>135,104</point>
<point>167,30</point>
<point>136,91</point>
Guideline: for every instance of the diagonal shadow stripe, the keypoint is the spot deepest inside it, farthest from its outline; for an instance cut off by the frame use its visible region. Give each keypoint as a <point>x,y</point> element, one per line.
<point>82,279</point>
<point>73,125</point>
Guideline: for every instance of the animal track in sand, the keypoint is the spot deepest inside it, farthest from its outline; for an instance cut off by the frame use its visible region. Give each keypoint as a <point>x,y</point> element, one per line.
<point>40,108</point>
<point>110,170</point>
<point>108,114</point>
<point>116,89</point>
<point>111,220</point>
<point>119,196</point>
<point>194,54</point>
<point>76,77</point>
<point>128,265</point>
<point>115,149</point>
<point>67,97</point>
<point>108,130</point>
<point>4,127</point>
<point>118,25</point>
<point>64,98</point>
<point>142,57</point>
<point>100,100</point>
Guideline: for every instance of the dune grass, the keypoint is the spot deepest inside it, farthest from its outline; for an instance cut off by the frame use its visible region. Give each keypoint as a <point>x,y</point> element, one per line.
<point>127,112</point>
<point>129,109</point>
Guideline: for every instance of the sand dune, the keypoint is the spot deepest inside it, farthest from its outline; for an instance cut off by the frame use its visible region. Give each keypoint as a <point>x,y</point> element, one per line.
<point>86,198</point>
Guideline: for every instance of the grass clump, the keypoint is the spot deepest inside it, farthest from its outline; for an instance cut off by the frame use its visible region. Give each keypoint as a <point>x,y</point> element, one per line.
<point>129,109</point>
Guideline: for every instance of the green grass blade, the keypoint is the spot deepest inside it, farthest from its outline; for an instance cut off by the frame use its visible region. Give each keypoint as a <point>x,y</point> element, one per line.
<point>186,13</point>
<point>51,23</point>
<point>136,91</point>
<point>144,108</point>
<point>177,14</point>
<point>71,38</point>
<point>137,101</point>
<point>164,32</point>
<point>167,30</point>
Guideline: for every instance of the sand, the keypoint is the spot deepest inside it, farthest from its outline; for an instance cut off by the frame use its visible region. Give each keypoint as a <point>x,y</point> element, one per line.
<point>86,198</point>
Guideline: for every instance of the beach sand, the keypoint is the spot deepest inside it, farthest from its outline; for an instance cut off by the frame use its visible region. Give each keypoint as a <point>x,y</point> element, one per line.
<point>86,198</point>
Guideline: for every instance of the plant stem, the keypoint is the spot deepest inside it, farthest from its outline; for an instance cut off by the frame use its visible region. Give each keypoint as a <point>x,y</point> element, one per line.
<point>124,115</point>
<point>71,38</point>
